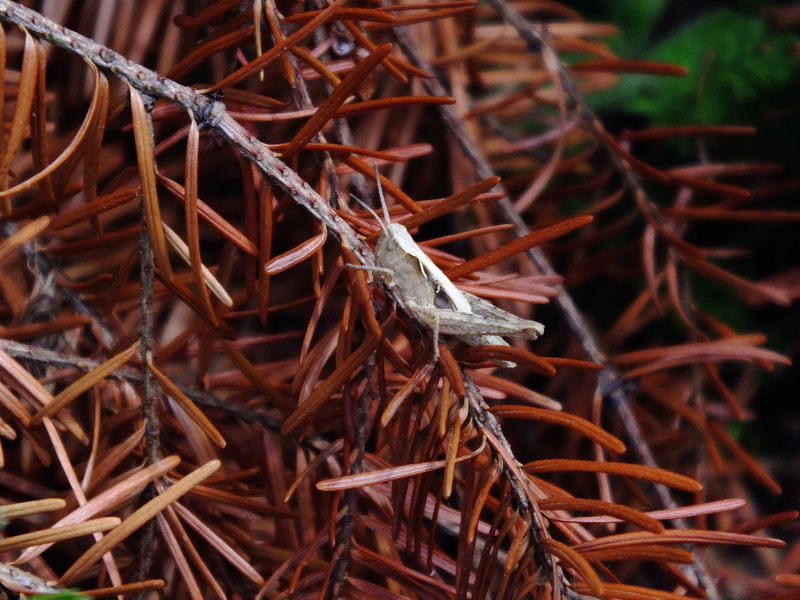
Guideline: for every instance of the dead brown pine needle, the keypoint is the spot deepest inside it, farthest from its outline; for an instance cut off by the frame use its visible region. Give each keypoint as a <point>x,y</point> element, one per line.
<point>653,474</point>
<point>582,426</point>
<point>139,518</point>
<point>535,238</point>
<point>337,97</point>
<point>84,383</point>
<point>57,534</point>
<point>358,480</point>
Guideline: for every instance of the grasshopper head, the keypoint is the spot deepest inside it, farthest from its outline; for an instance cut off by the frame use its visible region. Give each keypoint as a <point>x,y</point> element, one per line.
<point>394,244</point>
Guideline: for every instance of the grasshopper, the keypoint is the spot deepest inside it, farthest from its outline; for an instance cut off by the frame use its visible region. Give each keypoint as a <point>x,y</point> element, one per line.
<point>426,292</point>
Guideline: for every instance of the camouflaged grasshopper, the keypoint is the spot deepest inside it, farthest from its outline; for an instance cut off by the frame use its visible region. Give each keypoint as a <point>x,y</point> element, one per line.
<point>426,292</point>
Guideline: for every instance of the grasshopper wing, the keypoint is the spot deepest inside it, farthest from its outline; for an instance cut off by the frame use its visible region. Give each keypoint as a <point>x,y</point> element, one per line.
<point>518,327</point>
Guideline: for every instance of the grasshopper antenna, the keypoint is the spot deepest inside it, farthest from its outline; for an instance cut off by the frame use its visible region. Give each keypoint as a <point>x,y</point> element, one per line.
<point>380,194</point>
<point>368,207</point>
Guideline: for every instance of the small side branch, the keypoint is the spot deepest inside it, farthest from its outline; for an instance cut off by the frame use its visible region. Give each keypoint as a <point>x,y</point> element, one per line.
<point>344,538</point>
<point>152,430</point>
<point>493,433</point>
<point>147,336</point>
<point>206,399</point>
<point>47,268</point>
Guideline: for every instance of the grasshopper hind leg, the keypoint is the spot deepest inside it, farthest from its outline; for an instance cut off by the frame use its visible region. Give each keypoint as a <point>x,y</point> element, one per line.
<point>459,324</point>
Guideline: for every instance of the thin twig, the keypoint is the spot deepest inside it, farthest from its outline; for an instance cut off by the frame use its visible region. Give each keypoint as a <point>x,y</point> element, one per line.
<point>344,537</point>
<point>302,98</point>
<point>147,336</point>
<point>54,359</point>
<point>47,268</point>
<point>147,538</point>
<point>526,505</point>
<point>341,128</point>
<point>201,398</point>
